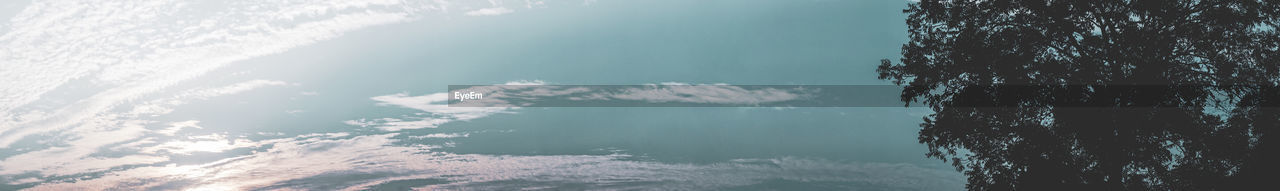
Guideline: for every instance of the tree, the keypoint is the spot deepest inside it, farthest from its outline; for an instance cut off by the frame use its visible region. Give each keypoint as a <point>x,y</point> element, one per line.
<point>1136,94</point>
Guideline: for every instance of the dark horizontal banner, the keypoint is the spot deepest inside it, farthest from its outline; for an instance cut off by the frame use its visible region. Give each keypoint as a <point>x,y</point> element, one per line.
<point>683,95</point>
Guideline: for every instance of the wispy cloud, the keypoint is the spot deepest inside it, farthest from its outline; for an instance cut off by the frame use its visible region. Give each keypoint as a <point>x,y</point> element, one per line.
<point>525,95</point>
<point>702,93</point>
<point>132,53</point>
<point>83,141</point>
<point>504,98</point>
<point>490,11</point>
<point>442,135</point>
<point>310,160</point>
<point>436,107</point>
<point>296,163</point>
<point>179,126</point>
<point>119,54</point>
<point>136,48</point>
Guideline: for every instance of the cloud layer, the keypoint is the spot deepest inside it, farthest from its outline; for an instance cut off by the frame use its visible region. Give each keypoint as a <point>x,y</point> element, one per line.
<point>79,80</point>
<point>366,161</point>
<point>122,62</point>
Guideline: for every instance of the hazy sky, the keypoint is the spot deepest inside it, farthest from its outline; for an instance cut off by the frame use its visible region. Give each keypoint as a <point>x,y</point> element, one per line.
<point>348,94</point>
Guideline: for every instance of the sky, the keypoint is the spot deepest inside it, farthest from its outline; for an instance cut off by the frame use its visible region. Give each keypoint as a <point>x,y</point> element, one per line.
<point>350,95</point>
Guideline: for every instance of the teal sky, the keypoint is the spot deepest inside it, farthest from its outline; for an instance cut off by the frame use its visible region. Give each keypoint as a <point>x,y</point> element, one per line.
<point>208,95</point>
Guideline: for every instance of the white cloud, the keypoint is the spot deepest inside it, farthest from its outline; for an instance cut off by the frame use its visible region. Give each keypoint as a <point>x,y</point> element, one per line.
<point>512,95</point>
<point>435,104</point>
<point>178,126</point>
<point>85,139</point>
<point>515,94</point>
<point>214,143</point>
<point>118,52</point>
<point>490,11</point>
<point>702,93</point>
<point>297,160</point>
<point>131,49</point>
<point>442,135</point>
<point>124,51</point>
<point>76,156</point>
<point>306,159</point>
<point>134,50</point>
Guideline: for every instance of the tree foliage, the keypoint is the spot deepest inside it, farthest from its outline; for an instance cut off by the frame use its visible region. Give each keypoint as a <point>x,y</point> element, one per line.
<point>1113,95</point>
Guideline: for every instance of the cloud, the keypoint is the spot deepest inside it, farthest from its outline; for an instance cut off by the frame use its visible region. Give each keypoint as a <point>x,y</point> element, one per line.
<point>213,143</point>
<point>310,162</point>
<point>127,53</point>
<point>702,93</point>
<point>436,106</point>
<point>81,143</point>
<point>178,126</point>
<point>442,135</point>
<point>112,55</point>
<point>490,11</point>
<point>504,98</point>
<point>76,155</point>
<point>131,49</point>
<point>524,95</point>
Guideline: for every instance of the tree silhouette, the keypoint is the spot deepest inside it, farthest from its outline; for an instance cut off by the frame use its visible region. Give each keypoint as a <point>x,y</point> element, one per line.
<point>1107,95</point>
